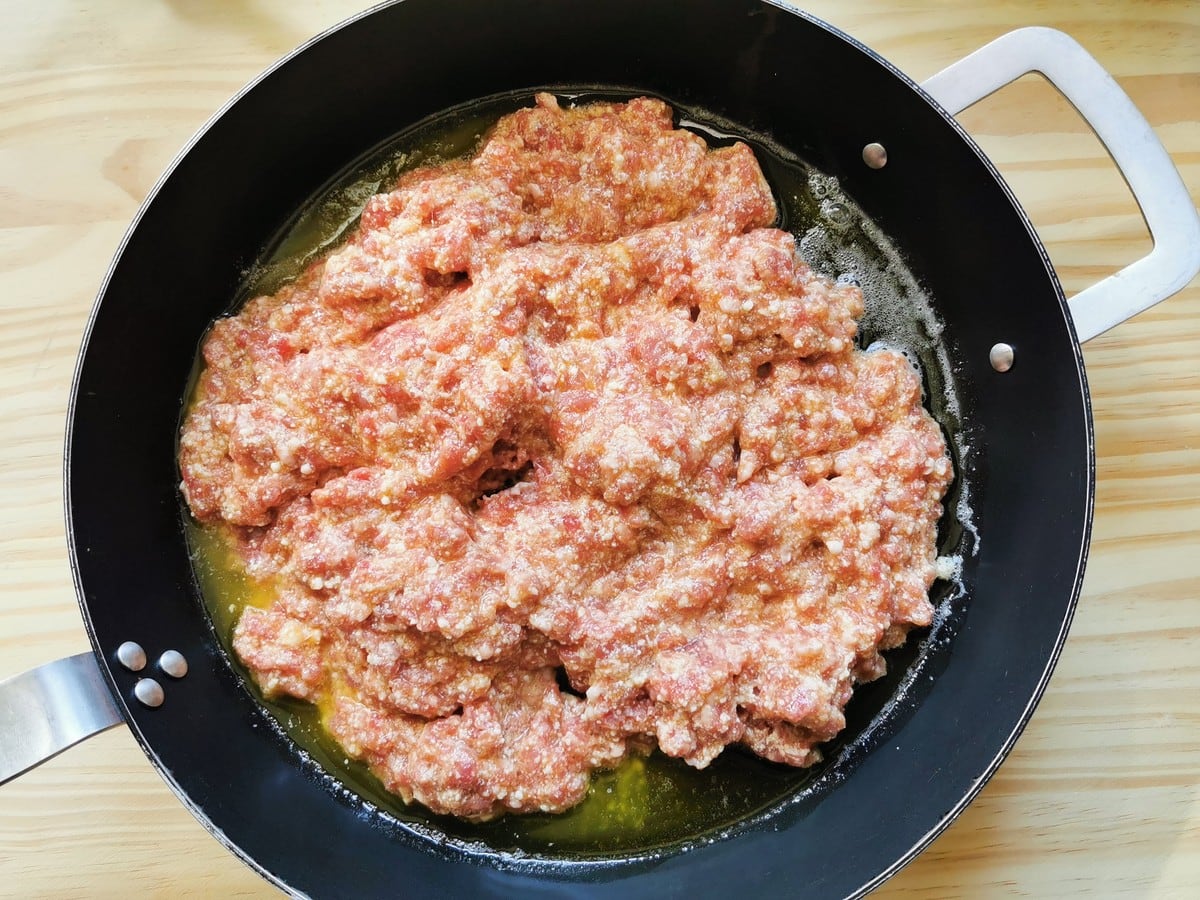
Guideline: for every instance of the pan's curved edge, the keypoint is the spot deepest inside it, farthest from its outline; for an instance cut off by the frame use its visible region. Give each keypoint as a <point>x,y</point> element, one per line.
<point>1089,501</point>
<point>72,401</point>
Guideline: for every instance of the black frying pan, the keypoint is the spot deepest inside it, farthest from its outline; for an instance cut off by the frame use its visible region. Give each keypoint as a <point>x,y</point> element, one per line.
<point>967,690</point>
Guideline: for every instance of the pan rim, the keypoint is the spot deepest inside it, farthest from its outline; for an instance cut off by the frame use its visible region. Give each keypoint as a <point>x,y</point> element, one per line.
<point>74,550</point>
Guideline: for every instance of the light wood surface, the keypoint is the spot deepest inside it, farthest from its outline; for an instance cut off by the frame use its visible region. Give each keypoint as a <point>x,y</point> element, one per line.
<point>1101,796</point>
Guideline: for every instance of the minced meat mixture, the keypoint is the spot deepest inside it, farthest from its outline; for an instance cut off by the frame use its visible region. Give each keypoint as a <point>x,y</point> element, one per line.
<point>565,454</point>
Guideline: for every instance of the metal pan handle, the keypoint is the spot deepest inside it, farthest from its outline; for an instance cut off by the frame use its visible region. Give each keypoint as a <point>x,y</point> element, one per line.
<point>48,709</point>
<point>1166,206</point>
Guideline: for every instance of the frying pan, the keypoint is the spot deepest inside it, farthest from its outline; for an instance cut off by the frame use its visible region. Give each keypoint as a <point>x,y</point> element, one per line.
<point>250,785</point>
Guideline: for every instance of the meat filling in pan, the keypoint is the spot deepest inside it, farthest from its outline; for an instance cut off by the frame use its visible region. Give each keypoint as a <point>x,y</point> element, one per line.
<point>564,455</point>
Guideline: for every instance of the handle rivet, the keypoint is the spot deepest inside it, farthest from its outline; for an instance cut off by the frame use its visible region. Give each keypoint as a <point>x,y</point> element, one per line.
<point>173,663</point>
<point>149,692</point>
<point>875,155</point>
<point>132,656</point>
<point>1001,357</point>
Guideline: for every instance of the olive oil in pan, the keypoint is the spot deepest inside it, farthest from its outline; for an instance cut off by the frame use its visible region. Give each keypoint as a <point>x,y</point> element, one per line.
<point>650,801</point>
<point>645,802</point>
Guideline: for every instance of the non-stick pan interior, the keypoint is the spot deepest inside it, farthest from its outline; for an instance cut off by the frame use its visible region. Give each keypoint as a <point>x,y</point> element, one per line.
<point>773,72</point>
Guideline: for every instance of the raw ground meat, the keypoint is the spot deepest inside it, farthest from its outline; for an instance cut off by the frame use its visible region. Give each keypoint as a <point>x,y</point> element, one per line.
<point>563,455</point>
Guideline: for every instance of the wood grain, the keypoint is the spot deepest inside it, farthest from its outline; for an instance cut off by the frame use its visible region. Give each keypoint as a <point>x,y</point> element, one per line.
<point>1101,796</point>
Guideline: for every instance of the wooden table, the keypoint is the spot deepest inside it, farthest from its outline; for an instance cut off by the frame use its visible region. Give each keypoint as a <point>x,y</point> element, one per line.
<point>1101,796</point>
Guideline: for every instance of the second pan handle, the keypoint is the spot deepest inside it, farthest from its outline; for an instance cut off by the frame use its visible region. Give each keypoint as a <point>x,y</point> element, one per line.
<point>1167,207</point>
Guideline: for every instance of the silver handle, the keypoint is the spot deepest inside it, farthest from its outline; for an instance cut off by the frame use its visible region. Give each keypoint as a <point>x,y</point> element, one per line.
<point>48,709</point>
<point>1166,206</point>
